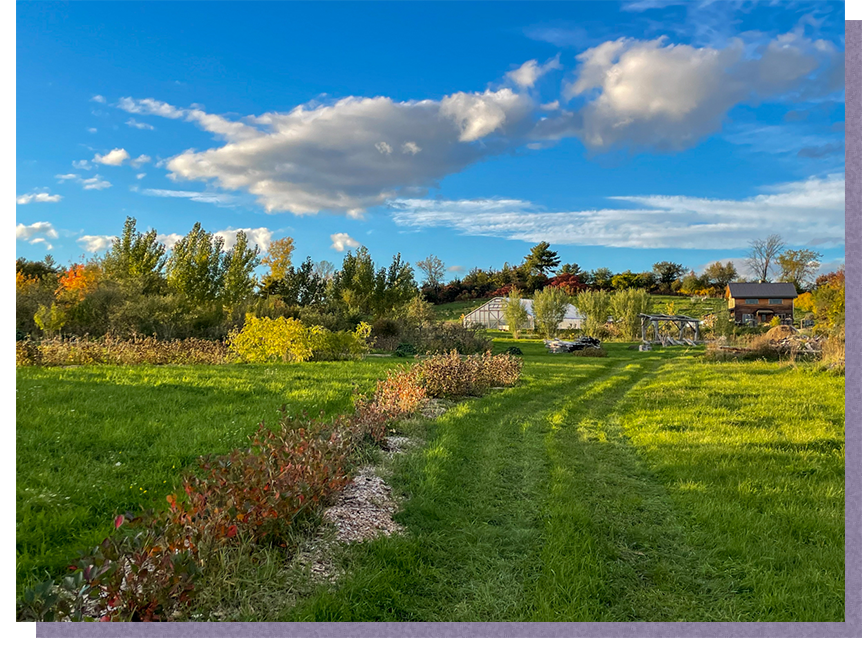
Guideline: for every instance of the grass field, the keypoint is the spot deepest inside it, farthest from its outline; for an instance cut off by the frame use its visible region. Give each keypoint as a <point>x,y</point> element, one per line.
<point>641,486</point>
<point>451,312</point>
<point>92,440</point>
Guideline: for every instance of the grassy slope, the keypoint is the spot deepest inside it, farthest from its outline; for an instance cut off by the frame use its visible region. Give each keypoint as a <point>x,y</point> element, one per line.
<point>636,487</point>
<point>75,424</point>
<point>453,310</point>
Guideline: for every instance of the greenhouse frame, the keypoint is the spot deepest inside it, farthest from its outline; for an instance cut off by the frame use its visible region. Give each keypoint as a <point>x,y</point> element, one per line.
<point>491,315</point>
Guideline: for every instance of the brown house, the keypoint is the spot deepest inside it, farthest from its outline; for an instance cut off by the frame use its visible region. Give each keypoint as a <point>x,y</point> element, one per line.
<point>760,302</point>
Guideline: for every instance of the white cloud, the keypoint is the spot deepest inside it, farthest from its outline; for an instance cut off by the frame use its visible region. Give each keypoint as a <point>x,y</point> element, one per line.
<point>35,233</point>
<point>341,241</point>
<point>335,157</point>
<point>260,236</point>
<point>26,199</point>
<point>195,196</point>
<point>139,125</point>
<point>115,158</point>
<point>528,73</point>
<point>98,98</point>
<point>96,183</point>
<point>649,94</point>
<point>456,268</point>
<point>352,154</point>
<point>479,114</point>
<point>168,240</point>
<point>149,107</point>
<point>91,130</point>
<point>95,243</point>
<point>809,212</point>
<point>82,164</point>
<point>141,159</point>
<point>140,175</point>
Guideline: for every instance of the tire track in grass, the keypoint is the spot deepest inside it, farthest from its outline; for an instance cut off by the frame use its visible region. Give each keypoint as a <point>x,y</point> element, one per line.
<point>612,549</point>
<point>473,516</point>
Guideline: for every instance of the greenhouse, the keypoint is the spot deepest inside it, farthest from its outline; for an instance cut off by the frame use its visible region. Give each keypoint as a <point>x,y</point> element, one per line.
<point>491,315</point>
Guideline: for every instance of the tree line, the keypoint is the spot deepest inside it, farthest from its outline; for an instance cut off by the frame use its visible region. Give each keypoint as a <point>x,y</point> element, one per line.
<point>201,288</point>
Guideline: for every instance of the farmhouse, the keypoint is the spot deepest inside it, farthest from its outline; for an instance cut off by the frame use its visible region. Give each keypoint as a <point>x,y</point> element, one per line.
<point>760,302</point>
<point>491,315</point>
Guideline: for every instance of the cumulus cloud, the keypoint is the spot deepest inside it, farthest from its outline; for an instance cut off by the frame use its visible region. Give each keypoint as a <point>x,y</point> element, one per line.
<point>356,153</point>
<point>168,240</point>
<point>35,233</point>
<point>804,211</point>
<point>115,158</point>
<point>353,154</point>
<point>456,268</point>
<point>91,130</point>
<point>98,98</point>
<point>26,199</point>
<point>95,243</point>
<point>140,175</point>
<point>479,114</point>
<point>141,159</point>
<point>260,236</point>
<point>650,94</point>
<point>139,125</point>
<point>528,73</point>
<point>341,241</point>
<point>82,164</point>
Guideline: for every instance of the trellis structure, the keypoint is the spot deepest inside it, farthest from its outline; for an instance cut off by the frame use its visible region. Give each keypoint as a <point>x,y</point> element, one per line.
<point>683,323</point>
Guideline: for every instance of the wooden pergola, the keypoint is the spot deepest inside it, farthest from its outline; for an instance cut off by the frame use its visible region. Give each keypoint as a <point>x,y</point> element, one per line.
<point>681,321</point>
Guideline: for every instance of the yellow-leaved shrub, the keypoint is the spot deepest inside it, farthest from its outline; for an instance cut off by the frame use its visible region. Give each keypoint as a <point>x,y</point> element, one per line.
<point>274,340</point>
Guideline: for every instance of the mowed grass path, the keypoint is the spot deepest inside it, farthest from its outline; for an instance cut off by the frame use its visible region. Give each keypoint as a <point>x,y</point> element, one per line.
<point>95,440</point>
<point>642,486</point>
<point>635,487</point>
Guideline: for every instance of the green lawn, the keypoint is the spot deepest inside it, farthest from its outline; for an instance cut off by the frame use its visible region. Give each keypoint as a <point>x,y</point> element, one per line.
<point>641,486</point>
<point>452,312</point>
<point>94,440</point>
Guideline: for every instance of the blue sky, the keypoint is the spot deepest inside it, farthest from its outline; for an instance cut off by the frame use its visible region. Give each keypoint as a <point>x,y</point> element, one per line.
<point>622,133</point>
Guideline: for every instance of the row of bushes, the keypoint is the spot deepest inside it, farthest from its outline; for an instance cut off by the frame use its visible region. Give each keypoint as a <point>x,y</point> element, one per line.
<point>148,568</point>
<point>260,340</point>
<point>428,336</point>
<point>109,350</point>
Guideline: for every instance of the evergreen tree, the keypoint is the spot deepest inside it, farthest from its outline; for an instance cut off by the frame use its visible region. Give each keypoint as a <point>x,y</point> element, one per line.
<point>541,259</point>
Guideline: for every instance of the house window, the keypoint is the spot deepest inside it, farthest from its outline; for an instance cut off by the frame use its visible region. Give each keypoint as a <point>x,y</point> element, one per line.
<point>751,301</point>
<point>775,301</point>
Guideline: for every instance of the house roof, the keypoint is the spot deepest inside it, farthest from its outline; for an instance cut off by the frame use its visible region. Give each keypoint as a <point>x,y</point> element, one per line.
<point>770,290</point>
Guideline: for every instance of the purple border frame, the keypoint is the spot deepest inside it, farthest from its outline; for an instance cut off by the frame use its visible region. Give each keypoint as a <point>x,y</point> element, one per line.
<point>851,627</point>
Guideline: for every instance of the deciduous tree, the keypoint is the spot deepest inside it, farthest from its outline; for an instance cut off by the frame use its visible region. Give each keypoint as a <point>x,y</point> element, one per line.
<point>763,253</point>
<point>550,308</point>
<point>195,268</point>
<point>515,314</point>
<point>798,266</point>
